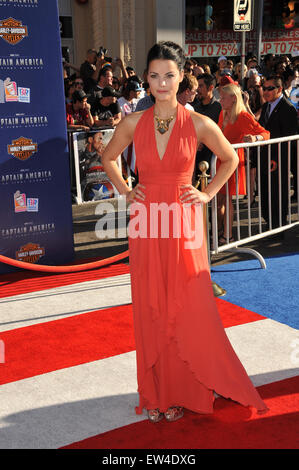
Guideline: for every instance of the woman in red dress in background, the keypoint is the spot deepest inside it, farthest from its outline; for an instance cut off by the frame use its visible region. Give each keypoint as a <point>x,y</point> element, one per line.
<point>238,126</point>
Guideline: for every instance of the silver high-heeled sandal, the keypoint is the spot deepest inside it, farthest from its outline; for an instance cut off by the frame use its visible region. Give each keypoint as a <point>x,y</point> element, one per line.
<point>174,413</point>
<point>154,415</point>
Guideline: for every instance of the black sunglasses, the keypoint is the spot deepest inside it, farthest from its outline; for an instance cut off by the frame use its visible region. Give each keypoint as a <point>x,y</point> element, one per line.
<point>79,83</point>
<point>269,88</point>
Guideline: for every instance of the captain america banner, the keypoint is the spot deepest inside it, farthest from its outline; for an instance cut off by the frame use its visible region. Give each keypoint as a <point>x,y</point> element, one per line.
<point>35,196</point>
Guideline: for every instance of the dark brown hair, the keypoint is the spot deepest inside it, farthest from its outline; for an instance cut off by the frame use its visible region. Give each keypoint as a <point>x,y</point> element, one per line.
<point>167,50</point>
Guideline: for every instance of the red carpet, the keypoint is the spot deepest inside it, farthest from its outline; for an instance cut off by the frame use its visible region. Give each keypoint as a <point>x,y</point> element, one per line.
<point>46,347</point>
<point>27,281</point>
<point>231,426</point>
<point>79,339</point>
<point>232,315</point>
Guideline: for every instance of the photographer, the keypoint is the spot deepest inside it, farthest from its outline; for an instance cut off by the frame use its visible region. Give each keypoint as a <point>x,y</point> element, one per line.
<point>90,69</point>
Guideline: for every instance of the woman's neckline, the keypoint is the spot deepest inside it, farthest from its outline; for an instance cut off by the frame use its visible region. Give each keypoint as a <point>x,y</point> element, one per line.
<point>171,132</point>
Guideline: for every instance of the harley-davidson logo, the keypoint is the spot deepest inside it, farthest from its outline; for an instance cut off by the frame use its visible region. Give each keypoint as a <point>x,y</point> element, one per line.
<point>30,253</point>
<point>22,148</point>
<point>12,31</point>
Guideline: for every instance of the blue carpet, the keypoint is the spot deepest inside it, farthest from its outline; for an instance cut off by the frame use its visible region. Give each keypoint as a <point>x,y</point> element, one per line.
<point>272,292</point>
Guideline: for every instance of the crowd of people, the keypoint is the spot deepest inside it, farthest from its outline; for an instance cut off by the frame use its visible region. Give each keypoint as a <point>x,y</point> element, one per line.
<point>104,97</point>
<point>259,104</point>
<point>87,105</point>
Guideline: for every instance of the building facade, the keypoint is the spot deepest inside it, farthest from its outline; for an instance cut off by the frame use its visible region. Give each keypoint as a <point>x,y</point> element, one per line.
<point>126,28</point>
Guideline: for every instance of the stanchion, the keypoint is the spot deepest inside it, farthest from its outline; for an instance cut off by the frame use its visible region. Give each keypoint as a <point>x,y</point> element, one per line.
<point>63,269</point>
<point>203,182</point>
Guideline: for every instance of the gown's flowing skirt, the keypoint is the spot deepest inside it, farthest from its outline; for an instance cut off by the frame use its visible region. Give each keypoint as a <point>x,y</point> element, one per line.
<point>183,353</point>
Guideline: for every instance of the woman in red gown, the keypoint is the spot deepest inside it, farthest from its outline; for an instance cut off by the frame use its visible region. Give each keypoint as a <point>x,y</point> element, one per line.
<point>183,353</point>
<point>238,126</point>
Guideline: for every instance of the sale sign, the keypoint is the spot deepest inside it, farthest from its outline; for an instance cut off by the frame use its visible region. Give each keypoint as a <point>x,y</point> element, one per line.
<point>212,50</point>
<point>280,42</point>
<point>228,43</point>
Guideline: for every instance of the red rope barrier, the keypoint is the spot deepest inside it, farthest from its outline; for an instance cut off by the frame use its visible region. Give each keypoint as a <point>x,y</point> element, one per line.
<point>63,269</point>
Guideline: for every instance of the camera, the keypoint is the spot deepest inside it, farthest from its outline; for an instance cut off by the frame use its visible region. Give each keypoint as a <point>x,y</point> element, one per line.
<point>102,51</point>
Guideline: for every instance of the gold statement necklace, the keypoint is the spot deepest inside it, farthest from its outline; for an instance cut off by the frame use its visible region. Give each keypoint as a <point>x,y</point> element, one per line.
<point>163,124</point>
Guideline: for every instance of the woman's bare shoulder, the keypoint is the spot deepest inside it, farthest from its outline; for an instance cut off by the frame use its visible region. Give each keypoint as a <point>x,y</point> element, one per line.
<point>129,122</point>
<point>133,118</point>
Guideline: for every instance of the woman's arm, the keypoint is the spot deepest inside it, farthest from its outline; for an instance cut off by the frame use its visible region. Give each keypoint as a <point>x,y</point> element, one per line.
<point>89,118</point>
<point>254,131</point>
<point>122,137</point>
<point>81,127</point>
<point>111,121</point>
<point>116,119</point>
<point>118,62</point>
<point>210,134</point>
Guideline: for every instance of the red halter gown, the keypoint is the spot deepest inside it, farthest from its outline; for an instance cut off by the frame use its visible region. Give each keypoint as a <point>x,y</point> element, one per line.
<point>183,353</point>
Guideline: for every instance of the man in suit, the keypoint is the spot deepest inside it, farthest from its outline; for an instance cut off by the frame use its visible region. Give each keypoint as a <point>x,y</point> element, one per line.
<point>279,117</point>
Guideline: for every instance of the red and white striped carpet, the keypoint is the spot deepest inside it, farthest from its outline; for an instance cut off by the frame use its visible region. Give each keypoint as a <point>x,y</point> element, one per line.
<point>68,372</point>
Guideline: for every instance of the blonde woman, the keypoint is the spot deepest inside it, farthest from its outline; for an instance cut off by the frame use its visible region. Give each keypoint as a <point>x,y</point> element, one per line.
<point>237,126</point>
<point>237,72</point>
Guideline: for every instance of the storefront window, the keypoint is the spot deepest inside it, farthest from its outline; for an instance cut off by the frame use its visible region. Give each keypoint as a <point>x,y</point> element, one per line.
<point>280,15</point>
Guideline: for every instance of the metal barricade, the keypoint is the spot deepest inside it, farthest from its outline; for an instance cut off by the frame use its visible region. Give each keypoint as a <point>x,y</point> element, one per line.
<point>253,229</point>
